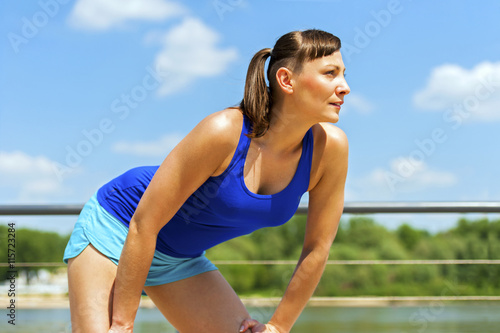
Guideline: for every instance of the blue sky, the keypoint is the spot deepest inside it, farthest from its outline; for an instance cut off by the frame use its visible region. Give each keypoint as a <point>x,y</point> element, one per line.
<point>92,88</point>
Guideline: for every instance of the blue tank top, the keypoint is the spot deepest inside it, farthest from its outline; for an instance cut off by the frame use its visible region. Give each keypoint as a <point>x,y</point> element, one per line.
<point>220,209</point>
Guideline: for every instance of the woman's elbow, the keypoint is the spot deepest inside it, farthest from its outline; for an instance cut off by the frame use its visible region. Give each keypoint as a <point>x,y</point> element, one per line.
<point>140,229</point>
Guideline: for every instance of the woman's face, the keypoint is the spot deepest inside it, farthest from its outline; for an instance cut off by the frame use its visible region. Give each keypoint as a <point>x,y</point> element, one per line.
<point>320,87</point>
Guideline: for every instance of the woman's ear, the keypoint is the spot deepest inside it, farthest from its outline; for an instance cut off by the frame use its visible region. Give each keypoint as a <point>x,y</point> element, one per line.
<point>284,80</point>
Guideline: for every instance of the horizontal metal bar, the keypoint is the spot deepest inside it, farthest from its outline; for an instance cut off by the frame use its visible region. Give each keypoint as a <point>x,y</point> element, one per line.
<point>366,262</point>
<point>363,300</point>
<point>349,208</point>
<point>33,264</point>
<point>41,209</point>
<point>417,207</point>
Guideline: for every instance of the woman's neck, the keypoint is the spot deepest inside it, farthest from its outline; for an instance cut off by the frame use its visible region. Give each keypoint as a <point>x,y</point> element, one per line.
<point>286,131</point>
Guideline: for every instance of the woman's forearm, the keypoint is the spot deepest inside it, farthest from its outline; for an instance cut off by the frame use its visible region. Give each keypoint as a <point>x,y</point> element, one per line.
<point>135,260</point>
<point>300,289</point>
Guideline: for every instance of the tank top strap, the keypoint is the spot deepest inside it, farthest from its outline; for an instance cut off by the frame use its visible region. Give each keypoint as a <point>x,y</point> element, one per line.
<point>307,152</point>
<point>300,182</point>
<point>241,148</point>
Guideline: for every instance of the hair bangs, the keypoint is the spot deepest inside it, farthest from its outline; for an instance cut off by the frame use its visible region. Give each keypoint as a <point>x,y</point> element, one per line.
<point>316,44</point>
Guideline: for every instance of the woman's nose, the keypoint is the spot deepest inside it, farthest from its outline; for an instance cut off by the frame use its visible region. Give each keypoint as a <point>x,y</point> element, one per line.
<point>343,88</point>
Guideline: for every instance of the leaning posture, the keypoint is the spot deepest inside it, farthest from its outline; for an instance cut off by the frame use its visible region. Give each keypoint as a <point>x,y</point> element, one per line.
<point>238,170</point>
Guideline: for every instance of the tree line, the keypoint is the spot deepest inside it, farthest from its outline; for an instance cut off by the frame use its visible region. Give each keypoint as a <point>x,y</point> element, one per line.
<point>32,246</point>
<point>359,238</point>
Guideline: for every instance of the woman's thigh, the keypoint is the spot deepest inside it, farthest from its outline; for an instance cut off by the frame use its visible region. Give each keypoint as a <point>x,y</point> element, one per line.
<point>91,277</point>
<point>202,303</point>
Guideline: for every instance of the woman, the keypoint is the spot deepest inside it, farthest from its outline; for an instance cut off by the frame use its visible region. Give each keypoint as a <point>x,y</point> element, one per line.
<point>238,170</point>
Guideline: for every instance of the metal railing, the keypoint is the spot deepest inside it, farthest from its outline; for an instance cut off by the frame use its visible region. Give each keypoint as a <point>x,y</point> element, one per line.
<point>349,208</point>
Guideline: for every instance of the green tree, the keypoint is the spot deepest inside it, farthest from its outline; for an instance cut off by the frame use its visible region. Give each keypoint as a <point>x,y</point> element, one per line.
<point>409,237</point>
<point>34,246</point>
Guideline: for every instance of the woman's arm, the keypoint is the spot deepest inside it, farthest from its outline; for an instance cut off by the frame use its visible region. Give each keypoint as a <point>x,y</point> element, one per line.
<point>326,202</point>
<point>212,141</point>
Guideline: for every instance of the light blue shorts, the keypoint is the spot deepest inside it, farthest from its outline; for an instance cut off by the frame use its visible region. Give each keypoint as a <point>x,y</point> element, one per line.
<point>107,234</point>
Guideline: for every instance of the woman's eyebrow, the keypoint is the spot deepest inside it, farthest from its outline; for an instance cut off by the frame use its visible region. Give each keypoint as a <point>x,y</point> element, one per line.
<point>336,67</point>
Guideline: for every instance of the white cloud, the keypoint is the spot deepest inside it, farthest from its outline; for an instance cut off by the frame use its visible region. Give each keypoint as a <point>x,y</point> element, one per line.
<point>28,178</point>
<point>404,175</point>
<point>102,15</point>
<point>414,176</point>
<point>19,163</point>
<point>158,148</point>
<point>358,103</point>
<point>189,52</point>
<point>476,90</point>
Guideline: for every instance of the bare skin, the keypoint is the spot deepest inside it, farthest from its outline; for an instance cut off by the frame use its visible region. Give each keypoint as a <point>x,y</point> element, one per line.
<point>91,277</point>
<point>206,302</point>
<point>208,295</point>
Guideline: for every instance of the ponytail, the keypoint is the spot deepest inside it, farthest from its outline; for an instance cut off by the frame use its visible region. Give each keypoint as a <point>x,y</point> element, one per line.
<point>291,51</point>
<point>256,103</point>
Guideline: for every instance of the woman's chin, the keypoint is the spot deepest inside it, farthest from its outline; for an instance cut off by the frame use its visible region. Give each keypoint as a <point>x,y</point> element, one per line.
<point>332,118</point>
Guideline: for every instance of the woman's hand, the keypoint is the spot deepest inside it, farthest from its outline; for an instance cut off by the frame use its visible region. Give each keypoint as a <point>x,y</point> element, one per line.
<point>257,327</point>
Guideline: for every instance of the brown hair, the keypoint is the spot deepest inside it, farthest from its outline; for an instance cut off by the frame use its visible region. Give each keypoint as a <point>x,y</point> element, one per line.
<point>291,51</point>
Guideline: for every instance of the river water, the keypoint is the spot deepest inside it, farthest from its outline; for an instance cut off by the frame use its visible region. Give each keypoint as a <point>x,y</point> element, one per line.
<point>433,318</point>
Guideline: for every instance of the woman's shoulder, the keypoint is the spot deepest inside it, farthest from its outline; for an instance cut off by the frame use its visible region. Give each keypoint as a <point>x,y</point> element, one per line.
<point>330,151</point>
<point>222,130</point>
<point>329,136</point>
<point>225,125</point>
<point>227,119</point>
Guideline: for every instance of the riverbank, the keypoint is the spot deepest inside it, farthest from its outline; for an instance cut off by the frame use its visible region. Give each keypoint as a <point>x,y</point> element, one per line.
<point>459,317</point>
<point>61,301</point>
